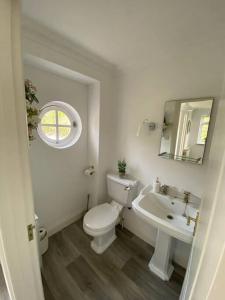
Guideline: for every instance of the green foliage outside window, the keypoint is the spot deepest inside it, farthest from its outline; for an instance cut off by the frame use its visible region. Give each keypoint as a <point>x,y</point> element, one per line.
<point>203,129</point>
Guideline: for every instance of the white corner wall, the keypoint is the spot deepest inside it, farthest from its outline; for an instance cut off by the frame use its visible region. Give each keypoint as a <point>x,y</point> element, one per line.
<point>124,103</point>
<point>59,185</point>
<point>93,140</point>
<point>42,46</point>
<point>142,94</point>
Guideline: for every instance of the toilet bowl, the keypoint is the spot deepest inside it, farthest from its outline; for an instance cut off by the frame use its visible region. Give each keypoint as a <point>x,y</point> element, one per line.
<point>100,221</point>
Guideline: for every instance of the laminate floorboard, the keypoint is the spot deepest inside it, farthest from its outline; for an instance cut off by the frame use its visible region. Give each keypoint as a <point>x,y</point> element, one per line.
<point>73,271</point>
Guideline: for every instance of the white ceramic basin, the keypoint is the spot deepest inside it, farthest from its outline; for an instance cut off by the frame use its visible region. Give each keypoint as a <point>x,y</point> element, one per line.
<point>165,213</point>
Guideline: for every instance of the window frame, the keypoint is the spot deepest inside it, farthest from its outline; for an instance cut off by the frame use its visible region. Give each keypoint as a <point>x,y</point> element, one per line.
<point>76,125</point>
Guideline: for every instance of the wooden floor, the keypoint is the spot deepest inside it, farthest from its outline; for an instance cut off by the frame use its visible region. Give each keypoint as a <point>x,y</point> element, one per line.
<point>73,271</point>
<point>3,289</point>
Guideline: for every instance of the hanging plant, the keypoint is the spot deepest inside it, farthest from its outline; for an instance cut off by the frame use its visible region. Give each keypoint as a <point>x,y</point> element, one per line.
<point>32,110</point>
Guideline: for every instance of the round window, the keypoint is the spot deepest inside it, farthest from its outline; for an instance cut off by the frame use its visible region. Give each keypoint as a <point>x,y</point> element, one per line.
<point>60,125</point>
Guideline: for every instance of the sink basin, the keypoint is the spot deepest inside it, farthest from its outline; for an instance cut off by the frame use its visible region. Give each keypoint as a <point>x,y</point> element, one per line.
<point>166,214</point>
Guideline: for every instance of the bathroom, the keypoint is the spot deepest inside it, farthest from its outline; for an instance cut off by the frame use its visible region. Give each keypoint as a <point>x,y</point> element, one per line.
<point>114,83</point>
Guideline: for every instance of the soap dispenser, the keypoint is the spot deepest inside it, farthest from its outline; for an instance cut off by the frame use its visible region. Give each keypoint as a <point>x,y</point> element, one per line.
<point>156,186</point>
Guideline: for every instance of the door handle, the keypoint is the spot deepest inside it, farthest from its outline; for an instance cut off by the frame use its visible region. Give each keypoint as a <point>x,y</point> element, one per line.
<point>30,231</point>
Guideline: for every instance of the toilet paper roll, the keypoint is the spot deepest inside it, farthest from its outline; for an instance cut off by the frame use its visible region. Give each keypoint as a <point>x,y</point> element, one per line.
<point>43,240</point>
<point>89,171</point>
<point>42,233</point>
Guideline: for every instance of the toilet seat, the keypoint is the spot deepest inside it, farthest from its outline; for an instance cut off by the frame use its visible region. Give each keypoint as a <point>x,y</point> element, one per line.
<point>100,219</point>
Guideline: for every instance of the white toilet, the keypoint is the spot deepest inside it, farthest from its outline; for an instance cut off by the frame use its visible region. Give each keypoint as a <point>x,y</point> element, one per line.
<point>101,220</point>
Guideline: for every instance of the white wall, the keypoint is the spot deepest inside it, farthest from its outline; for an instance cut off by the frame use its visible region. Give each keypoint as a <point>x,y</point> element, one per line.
<point>93,140</point>
<point>143,94</point>
<point>41,43</point>
<point>60,188</point>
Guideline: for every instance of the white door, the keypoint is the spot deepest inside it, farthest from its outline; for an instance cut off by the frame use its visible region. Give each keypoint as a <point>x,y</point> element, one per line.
<point>209,241</point>
<point>18,256</point>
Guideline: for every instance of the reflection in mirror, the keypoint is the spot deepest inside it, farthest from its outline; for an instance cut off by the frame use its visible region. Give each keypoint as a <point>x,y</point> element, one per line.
<point>185,129</point>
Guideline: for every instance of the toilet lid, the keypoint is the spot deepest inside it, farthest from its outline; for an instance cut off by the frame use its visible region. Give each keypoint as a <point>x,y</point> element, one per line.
<point>101,216</point>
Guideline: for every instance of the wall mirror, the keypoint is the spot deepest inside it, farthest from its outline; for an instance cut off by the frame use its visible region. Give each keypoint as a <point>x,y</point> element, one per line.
<point>185,129</point>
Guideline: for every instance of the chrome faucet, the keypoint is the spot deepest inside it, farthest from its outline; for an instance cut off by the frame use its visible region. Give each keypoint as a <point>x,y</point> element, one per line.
<point>164,189</point>
<point>186,197</point>
<point>186,201</point>
<point>195,220</point>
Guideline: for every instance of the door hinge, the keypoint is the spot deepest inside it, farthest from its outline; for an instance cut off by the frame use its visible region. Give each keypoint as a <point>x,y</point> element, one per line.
<point>30,231</point>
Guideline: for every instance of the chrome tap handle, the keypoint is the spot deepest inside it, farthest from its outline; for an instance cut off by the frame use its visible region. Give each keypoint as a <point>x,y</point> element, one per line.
<point>187,193</point>
<point>186,196</point>
<point>195,220</point>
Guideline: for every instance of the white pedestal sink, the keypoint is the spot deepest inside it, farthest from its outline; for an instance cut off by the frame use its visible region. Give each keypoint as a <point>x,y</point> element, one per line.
<point>160,263</point>
<point>166,214</point>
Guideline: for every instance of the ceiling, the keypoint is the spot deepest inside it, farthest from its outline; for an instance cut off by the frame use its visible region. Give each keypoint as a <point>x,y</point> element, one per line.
<point>133,33</point>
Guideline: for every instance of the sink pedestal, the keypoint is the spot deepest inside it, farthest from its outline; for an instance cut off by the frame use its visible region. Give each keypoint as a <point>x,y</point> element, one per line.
<point>160,263</point>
